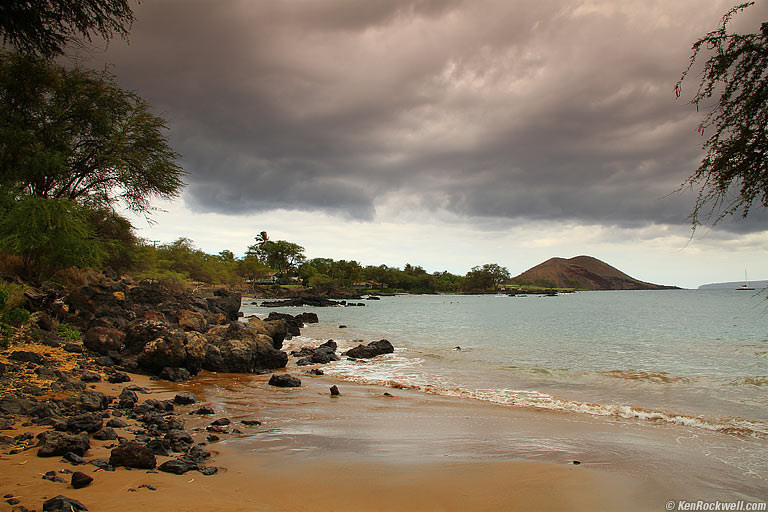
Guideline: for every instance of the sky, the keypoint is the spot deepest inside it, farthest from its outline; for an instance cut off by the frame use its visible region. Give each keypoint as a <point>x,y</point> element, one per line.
<point>441,133</point>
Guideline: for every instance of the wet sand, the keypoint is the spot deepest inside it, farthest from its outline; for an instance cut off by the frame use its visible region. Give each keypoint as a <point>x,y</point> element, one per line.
<point>409,451</point>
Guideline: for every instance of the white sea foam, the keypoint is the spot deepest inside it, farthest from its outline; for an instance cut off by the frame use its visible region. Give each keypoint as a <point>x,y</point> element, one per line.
<point>399,371</point>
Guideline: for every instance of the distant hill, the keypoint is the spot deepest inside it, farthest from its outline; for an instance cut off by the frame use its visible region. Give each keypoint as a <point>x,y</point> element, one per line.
<point>759,285</point>
<point>583,272</point>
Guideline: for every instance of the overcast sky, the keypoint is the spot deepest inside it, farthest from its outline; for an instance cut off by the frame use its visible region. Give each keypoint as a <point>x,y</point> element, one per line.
<point>442,133</point>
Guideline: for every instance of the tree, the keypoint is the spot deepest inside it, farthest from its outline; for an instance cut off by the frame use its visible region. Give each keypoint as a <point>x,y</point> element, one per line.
<point>737,70</point>
<point>281,255</point>
<point>74,134</point>
<point>252,269</point>
<point>44,27</point>
<point>48,235</point>
<point>115,234</point>
<point>227,256</point>
<point>489,276</point>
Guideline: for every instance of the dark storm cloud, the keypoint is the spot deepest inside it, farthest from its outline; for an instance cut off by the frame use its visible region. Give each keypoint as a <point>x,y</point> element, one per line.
<point>543,110</point>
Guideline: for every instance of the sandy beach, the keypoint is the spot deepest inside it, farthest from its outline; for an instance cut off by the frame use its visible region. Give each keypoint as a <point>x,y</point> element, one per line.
<point>365,450</point>
<point>269,469</point>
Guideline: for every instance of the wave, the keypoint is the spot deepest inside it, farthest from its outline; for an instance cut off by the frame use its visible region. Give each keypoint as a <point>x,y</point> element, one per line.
<point>537,400</point>
<point>758,381</point>
<point>647,376</point>
<point>401,371</point>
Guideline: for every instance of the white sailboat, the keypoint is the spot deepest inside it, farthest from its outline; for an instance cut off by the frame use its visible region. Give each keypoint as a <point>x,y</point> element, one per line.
<point>745,286</point>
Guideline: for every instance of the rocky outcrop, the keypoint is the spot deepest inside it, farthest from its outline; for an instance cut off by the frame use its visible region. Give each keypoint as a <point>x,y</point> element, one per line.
<point>323,354</point>
<point>225,302</point>
<point>150,328</point>
<point>277,329</point>
<point>104,340</point>
<point>314,302</point>
<point>240,348</point>
<point>373,349</point>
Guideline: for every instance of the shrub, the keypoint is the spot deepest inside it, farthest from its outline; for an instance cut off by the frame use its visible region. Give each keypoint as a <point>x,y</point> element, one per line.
<point>6,333</point>
<point>48,234</point>
<point>15,317</point>
<point>66,332</point>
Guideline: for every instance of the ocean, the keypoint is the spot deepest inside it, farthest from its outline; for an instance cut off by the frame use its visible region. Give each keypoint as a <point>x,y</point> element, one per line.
<point>693,360</point>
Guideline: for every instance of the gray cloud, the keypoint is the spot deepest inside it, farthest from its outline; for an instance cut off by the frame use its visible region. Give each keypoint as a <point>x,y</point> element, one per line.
<point>553,110</point>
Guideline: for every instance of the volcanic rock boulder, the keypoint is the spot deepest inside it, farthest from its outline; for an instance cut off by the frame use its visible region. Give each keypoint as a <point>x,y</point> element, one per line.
<point>86,422</point>
<point>373,349</point>
<point>133,455</point>
<point>239,348</point>
<point>225,302</point>
<point>284,380</point>
<point>62,504</point>
<point>276,329</point>
<point>104,339</point>
<point>54,444</point>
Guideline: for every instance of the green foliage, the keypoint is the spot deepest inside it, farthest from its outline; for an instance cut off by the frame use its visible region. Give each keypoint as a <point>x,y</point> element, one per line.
<point>736,148</point>
<point>15,317</point>
<point>11,315</point>
<point>412,279</point>
<point>6,334</point>
<point>48,234</point>
<point>251,269</point>
<point>572,283</point>
<point>539,283</point>
<point>181,261</point>
<point>116,236</point>
<point>45,27</point>
<point>485,278</point>
<point>11,296</point>
<point>66,332</point>
<point>322,283</point>
<point>74,134</point>
<point>281,255</point>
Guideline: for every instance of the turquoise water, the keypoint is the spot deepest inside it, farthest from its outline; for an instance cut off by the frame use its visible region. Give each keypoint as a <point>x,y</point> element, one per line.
<point>697,358</point>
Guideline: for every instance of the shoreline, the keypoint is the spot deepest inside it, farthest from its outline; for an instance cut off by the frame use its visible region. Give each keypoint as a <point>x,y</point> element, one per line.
<point>411,450</point>
<point>267,477</point>
<point>372,447</point>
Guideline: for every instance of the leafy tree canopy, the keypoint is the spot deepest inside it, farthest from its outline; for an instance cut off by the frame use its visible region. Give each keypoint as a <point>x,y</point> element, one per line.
<point>281,255</point>
<point>489,276</point>
<point>45,27</point>
<point>735,158</point>
<point>74,134</point>
<point>49,235</point>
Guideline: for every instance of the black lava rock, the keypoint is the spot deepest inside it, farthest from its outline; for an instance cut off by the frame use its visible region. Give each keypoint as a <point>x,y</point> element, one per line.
<point>87,422</point>
<point>175,374</point>
<point>117,423</point>
<point>63,504</point>
<point>176,466</point>
<point>185,399</point>
<point>80,480</point>
<point>373,349</point>
<point>74,458</point>
<point>133,455</point>
<point>118,378</point>
<point>58,443</point>
<point>284,380</point>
